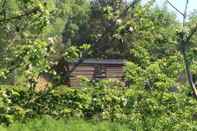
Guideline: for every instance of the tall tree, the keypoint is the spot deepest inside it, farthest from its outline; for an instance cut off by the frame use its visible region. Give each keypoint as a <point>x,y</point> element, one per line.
<point>115,27</point>
<point>22,23</point>
<point>185,43</point>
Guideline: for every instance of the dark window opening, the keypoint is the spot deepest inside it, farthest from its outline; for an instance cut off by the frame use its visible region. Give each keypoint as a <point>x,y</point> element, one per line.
<point>100,72</point>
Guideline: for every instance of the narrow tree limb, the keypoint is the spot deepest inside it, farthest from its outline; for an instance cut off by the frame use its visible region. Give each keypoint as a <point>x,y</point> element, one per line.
<point>3,6</point>
<point>185,15</point>
<point>193,31</point>
<point>28,13</point>
<point>175,8</point>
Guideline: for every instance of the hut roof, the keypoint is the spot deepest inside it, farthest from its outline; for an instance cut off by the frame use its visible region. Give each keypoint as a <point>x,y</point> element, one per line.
<point>103,61</point>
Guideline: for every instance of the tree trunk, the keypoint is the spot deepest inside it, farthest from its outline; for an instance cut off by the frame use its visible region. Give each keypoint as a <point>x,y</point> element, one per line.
<point>188,71</point>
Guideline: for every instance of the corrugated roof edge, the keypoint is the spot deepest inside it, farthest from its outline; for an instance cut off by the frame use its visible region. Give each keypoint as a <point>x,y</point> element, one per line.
<point>103,61</point>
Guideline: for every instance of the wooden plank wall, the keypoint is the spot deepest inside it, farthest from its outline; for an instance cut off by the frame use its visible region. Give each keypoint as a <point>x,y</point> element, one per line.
<point>83,70</point>
<point>112,72</point>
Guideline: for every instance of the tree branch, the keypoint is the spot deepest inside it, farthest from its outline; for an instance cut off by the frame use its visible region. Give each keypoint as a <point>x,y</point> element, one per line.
<point>28,13</point>
<point>184,45</point>
<point>175,8</point>
<point>185,14</point>
<point>193,31</point>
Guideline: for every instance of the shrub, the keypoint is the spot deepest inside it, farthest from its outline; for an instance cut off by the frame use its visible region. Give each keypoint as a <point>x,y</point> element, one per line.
<point>63,102</point>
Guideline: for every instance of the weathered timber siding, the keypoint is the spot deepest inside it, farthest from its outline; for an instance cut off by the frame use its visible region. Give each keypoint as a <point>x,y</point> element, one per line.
<point>114,72</point>
<point>82,70</point>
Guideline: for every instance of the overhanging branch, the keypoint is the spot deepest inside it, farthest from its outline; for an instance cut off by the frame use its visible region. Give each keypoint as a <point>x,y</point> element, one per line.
<point>27,13</point>
<point>175,8</point>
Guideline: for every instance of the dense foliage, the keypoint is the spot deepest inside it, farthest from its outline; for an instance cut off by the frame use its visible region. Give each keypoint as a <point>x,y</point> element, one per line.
<point>150,103</point>
<point>142,110</point>
<point>38,37</point>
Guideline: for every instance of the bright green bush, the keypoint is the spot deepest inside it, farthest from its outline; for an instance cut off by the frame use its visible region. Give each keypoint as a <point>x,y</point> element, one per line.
<point>153,105</point>
<point>62,102</point>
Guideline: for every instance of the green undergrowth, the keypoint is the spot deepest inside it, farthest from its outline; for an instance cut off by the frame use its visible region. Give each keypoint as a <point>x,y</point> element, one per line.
<point>49,124</point>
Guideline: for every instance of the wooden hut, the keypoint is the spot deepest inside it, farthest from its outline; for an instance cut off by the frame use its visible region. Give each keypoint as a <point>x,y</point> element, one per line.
<point>95,69</point>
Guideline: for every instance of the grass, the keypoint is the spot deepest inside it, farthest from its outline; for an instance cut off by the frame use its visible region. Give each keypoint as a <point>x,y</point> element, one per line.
<point>49,124</point>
